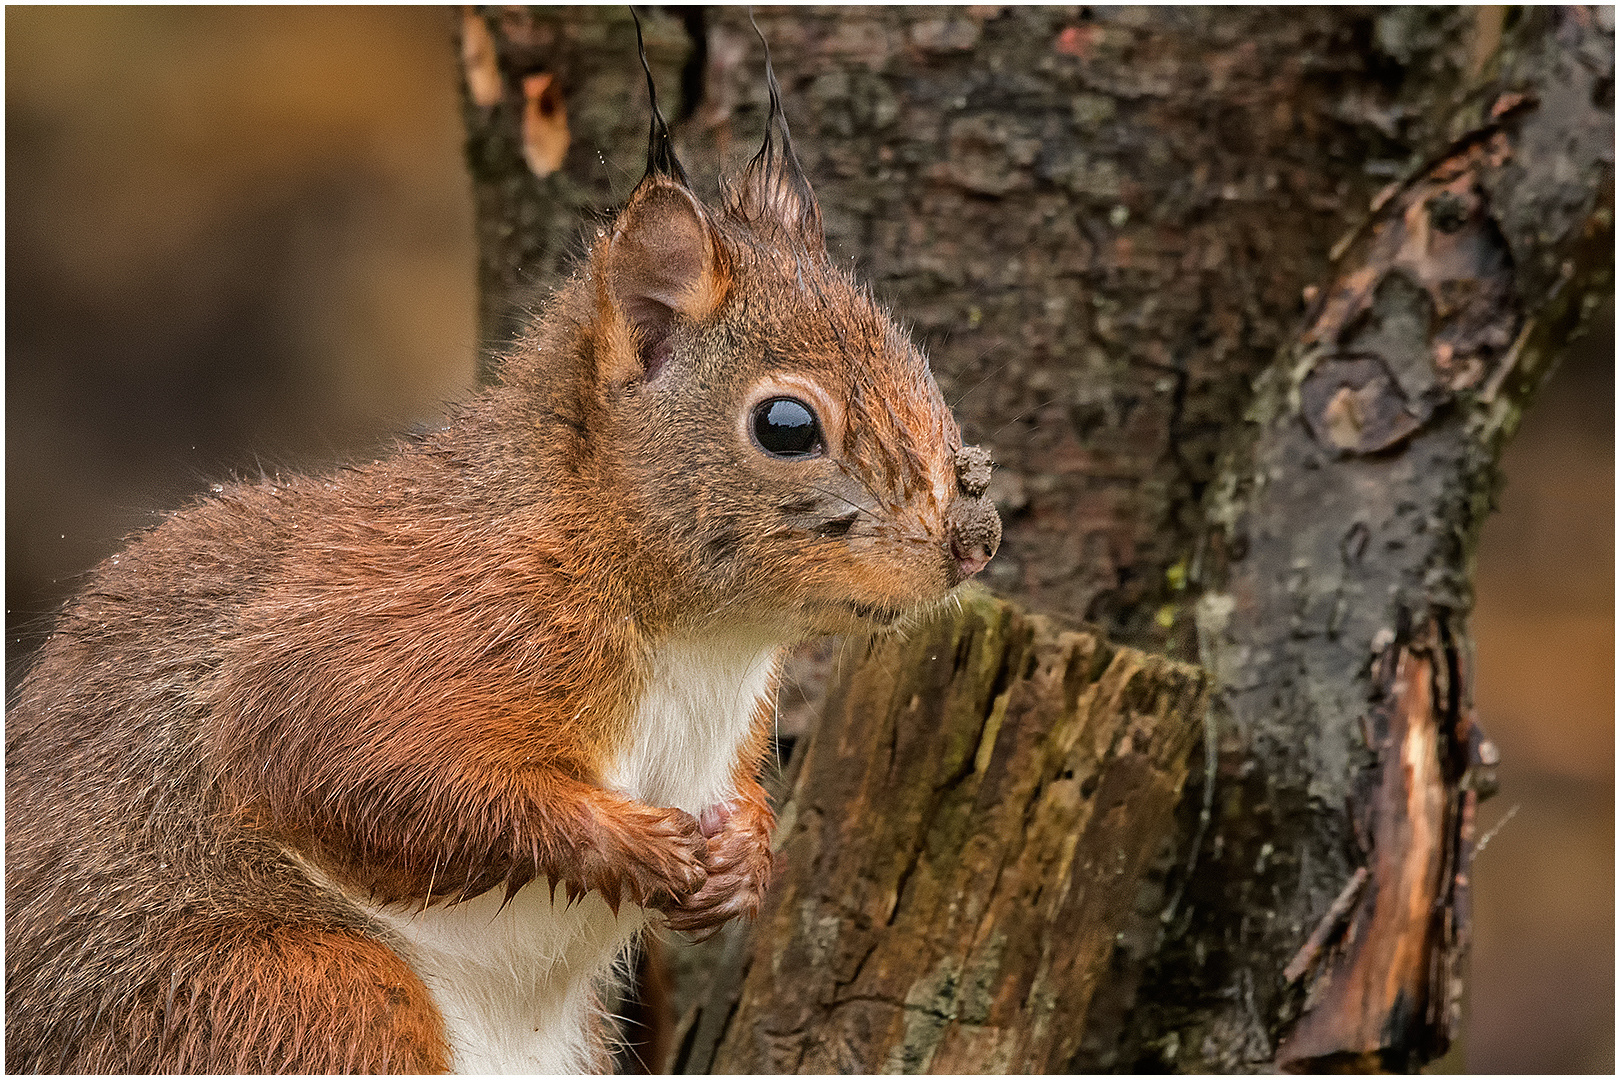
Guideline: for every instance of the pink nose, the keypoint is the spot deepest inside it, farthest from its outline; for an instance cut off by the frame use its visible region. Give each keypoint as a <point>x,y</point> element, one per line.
<point>970,556</point>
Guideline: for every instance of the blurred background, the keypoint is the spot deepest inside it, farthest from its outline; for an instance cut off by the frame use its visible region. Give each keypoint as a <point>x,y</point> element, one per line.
<point>236,239</point>
<point>241,239</point>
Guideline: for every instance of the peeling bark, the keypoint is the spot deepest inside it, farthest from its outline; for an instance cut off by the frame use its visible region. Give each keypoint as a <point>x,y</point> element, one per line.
<point>1385,991</point>
<point>1339,563</point>
<point>962,844</point>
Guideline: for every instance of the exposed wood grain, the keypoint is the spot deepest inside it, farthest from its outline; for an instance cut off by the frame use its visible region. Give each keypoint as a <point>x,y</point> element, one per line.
<point>964,839</point>
<point>1381,992</point>
<point>1335,619</point>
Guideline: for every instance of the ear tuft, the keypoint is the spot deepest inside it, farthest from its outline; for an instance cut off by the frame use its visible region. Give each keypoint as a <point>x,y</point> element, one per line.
<point>661,159</point>
<point>774,191</point>
<point>663,261</point>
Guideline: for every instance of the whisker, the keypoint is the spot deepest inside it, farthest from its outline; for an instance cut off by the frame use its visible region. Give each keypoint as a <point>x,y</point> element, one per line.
<point>844,498</point>
<point>776,725</point>
<point>1013,421</point>
<point>847,471</point>
<point>999,369</point>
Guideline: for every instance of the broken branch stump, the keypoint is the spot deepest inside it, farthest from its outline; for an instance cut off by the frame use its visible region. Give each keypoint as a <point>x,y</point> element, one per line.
<point>962,842</point>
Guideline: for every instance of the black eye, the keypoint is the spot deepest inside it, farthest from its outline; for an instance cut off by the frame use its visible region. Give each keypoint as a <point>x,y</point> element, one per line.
<point>786,427</point>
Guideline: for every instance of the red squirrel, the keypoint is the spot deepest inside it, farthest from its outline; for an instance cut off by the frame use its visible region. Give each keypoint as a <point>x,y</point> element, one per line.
<point>384,770</point>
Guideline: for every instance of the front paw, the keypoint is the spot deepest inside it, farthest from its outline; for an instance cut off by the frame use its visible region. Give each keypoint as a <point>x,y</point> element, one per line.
<point>655,857</point>
<point>739,869</point>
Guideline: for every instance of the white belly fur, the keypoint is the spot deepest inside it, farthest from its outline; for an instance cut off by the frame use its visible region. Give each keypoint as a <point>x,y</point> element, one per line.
<point>515,987</point>
<point>514,984</point>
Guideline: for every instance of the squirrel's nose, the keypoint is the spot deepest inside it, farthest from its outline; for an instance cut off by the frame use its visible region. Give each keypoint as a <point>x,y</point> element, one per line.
<point>972,523</point>
<point>971,555</point>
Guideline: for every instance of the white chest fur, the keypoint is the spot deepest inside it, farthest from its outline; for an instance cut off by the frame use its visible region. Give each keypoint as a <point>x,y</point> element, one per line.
<point>699,702</point>
<point>515,984</point>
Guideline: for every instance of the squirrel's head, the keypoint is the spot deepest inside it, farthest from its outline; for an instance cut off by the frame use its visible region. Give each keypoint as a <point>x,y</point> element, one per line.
<point>783,439</point>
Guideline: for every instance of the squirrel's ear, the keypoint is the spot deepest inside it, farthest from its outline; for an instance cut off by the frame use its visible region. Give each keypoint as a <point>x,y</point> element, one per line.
<point>663,261</point>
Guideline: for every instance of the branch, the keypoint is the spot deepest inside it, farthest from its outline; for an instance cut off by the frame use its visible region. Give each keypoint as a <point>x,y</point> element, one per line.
<point>1342,541</point>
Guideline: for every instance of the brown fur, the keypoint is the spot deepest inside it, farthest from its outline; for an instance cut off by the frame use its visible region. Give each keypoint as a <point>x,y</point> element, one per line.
<point>409,675</point>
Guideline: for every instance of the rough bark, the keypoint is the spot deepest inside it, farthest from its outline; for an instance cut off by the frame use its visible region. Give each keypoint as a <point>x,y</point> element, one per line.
<point>963,840</point>
<point>1339,561</point>
<point>1132,241</point>
<point>1099,222</point>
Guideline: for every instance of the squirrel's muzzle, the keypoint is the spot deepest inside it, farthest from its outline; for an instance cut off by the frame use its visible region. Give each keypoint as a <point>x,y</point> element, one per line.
<point>971,522</point>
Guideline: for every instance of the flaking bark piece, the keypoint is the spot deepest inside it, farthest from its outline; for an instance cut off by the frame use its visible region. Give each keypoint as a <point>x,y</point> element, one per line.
<point>1354,404</point>
<point>973,470</point>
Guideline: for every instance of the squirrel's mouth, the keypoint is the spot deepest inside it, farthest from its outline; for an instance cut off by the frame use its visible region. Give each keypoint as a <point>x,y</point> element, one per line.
<point>878,613</point>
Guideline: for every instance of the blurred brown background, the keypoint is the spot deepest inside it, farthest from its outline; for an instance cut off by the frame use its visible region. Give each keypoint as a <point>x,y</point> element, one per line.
<point>242,239</point>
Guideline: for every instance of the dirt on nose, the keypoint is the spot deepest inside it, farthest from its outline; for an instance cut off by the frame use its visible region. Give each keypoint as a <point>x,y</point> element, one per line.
<point>972,521</point>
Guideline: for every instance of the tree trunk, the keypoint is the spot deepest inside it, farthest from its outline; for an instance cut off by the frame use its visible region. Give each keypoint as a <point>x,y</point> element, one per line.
<point>964,835</point>
<point>1231,422</point>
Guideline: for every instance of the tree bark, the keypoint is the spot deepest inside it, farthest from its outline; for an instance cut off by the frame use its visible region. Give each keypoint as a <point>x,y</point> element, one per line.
<point>1338,563</point>
<point>963,839</point>
<point>1235,418</point>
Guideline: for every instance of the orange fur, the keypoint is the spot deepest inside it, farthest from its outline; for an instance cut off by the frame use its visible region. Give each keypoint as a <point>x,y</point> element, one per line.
<point>263,998</point>
<point>406,683</point>
<point>260,998</point>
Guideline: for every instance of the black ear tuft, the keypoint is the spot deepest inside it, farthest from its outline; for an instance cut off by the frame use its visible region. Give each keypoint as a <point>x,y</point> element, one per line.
<point>774,190</point>
<point>661,159</point>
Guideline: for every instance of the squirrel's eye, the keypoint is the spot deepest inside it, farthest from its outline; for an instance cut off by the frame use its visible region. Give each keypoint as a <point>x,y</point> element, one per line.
<point>787,428</point>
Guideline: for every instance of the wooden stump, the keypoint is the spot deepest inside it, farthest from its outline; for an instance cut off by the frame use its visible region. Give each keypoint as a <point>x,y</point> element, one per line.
<point>962,842</point>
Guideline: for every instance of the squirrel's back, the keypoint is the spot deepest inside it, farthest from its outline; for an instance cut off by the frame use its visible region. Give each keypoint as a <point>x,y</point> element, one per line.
<point>382,770</point>
<point>137,905</point>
